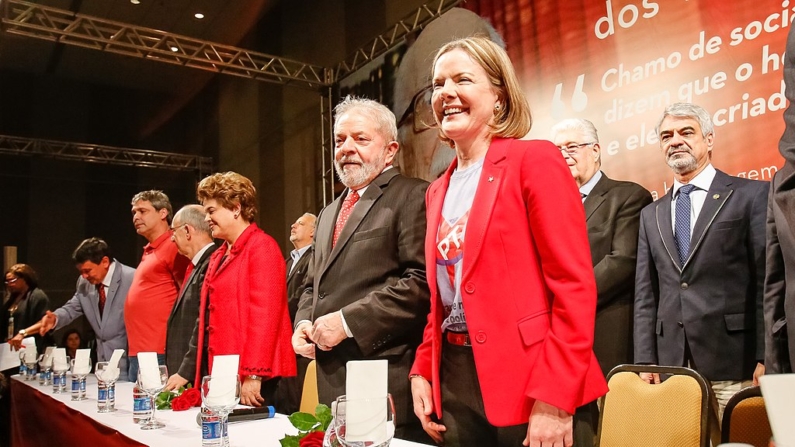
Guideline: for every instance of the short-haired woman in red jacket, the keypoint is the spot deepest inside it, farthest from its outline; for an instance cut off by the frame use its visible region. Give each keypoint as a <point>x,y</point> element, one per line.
<point>244,298</point>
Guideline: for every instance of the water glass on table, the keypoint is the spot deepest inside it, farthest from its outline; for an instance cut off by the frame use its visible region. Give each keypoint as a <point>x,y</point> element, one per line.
<point>59,370</point>
<point>152,388</point>
<point>220,395</point>
<point>79,374</point>
<point>106,387</point>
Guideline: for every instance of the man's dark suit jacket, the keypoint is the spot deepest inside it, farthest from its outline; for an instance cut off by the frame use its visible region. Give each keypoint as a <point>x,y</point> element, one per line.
<point>716,299</point>
<point>182,321</point>
<point>612,212</point>
<point>780,295</point>
<point>288,393</point>
<point>376,275</point>
<point>295,281</point>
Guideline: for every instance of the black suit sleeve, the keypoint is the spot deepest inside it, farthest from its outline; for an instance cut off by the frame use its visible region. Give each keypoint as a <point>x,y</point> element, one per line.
<point>615,272</point>
<point>757,229</point>
<point>774,292</point>
<point>646,298</point>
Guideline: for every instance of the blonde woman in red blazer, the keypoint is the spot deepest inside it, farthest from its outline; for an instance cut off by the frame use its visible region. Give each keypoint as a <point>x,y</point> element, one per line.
<point>513,365</point>
<point>244,298</point>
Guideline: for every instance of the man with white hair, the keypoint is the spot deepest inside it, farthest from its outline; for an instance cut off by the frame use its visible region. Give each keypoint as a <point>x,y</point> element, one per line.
<point>365,295</point>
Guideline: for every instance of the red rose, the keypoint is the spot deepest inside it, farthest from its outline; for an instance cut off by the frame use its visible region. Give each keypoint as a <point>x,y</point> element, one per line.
<point>313,439</point>
<point>179,404</point>
<point>192,396</point>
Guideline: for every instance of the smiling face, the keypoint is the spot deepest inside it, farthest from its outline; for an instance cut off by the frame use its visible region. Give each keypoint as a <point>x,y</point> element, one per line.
<point>361,151</point>
<point>94,273</point>
<point>463,97</point>
<point>686,150</point>
<point>223,224</point>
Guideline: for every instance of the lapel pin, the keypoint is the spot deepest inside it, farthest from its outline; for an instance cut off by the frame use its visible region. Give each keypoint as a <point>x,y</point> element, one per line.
<point>491,179</point>
<point>716,196</point>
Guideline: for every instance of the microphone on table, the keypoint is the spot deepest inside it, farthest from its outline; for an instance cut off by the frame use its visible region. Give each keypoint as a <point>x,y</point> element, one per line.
<point>246,414</point>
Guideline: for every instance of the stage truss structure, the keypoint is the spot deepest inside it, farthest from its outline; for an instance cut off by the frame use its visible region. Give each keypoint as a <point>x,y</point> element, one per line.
<point>57,25</point>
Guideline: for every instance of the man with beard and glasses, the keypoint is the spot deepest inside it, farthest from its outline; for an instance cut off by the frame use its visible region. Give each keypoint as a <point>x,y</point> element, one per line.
<point>701,263</point>
<point>365,293</point>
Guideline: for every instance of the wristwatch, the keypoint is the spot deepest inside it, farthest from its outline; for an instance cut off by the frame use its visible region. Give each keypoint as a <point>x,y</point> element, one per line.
<point>254,377</point>
<point>23,332</point>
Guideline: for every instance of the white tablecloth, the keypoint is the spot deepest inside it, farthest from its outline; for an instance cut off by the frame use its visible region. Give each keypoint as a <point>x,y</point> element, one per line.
<point>181,428</point>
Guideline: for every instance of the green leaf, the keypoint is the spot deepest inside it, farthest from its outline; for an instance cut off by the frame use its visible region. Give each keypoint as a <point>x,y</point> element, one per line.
<point>323,413</point>
<point>303,421</point>
<point>290,441</point>
<point>163,400</point>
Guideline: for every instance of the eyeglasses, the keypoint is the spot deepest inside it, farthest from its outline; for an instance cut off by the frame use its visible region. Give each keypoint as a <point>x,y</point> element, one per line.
<point>574,148</point>
<point>420,110</point>
<point>11,281</point>
<point>174,230</point>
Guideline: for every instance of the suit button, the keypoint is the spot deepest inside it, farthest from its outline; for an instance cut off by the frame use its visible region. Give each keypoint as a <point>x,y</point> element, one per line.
<point>211,307</point>
<point>210,329</point>
<point>684,286</point>
<point>470,287</point>
<point>480,337</point>
<point>681,324</point>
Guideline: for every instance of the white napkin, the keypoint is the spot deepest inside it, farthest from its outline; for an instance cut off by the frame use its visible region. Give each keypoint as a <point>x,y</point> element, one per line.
<point>222,382</point>
<point>779,393</point>
<point>82,358</point>
<point>59,362</point>
<point>149,370</point>
<point>47,359</point>
<point>365,395</point>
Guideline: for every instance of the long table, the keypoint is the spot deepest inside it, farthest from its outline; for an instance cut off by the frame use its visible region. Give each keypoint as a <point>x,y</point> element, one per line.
<point>41,418</point>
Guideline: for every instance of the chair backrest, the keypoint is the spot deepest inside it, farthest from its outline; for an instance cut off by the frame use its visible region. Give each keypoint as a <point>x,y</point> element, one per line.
<point>745,419</point>
<point>673,413</point>
<point>309,399</point>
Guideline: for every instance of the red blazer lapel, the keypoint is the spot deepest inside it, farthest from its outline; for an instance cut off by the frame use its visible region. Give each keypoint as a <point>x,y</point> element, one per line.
<point>486,196</point>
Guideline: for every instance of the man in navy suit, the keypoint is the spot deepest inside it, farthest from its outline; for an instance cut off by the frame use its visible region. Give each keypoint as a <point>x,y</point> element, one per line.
<point>100,275</point>
<point>701,263</point>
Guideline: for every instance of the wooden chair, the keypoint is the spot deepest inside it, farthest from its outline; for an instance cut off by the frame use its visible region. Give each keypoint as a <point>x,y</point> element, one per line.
<point>309,398</point>
<point>674,413</point>
<point>745,419</point>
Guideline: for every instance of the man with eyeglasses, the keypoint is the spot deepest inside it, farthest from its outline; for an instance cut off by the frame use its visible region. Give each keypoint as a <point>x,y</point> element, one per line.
<point>191,235</point>
<point>612,213</point>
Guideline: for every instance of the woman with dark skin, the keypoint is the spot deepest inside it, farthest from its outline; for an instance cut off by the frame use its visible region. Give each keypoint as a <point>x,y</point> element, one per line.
<point>24,306</point>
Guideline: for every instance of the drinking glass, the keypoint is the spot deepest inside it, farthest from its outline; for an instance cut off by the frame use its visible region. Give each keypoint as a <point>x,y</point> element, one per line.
<point>369,413</point>
<point>59,375</point>
<point>220,400</point>
<point>152,391</point>
<point>79,380</point>
<point>45,370</point>
<point>106,387</point>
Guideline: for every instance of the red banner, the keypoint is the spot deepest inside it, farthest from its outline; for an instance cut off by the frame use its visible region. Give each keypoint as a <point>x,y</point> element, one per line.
<point>618,63</point>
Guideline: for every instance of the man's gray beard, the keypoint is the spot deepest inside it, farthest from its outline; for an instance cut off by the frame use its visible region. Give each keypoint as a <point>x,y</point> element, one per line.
<point>364,175</point>
<point>683,165</point>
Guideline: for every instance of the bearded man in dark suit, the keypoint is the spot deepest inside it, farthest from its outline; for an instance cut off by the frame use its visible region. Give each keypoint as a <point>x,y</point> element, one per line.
<point>366,295</point>
<point>701,263</point>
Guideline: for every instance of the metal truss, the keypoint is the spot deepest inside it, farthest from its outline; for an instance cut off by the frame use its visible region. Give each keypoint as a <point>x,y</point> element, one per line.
<point>392,37</point>
<point>105,154</point>
<point>327,151</point>
<point>57,25</point>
